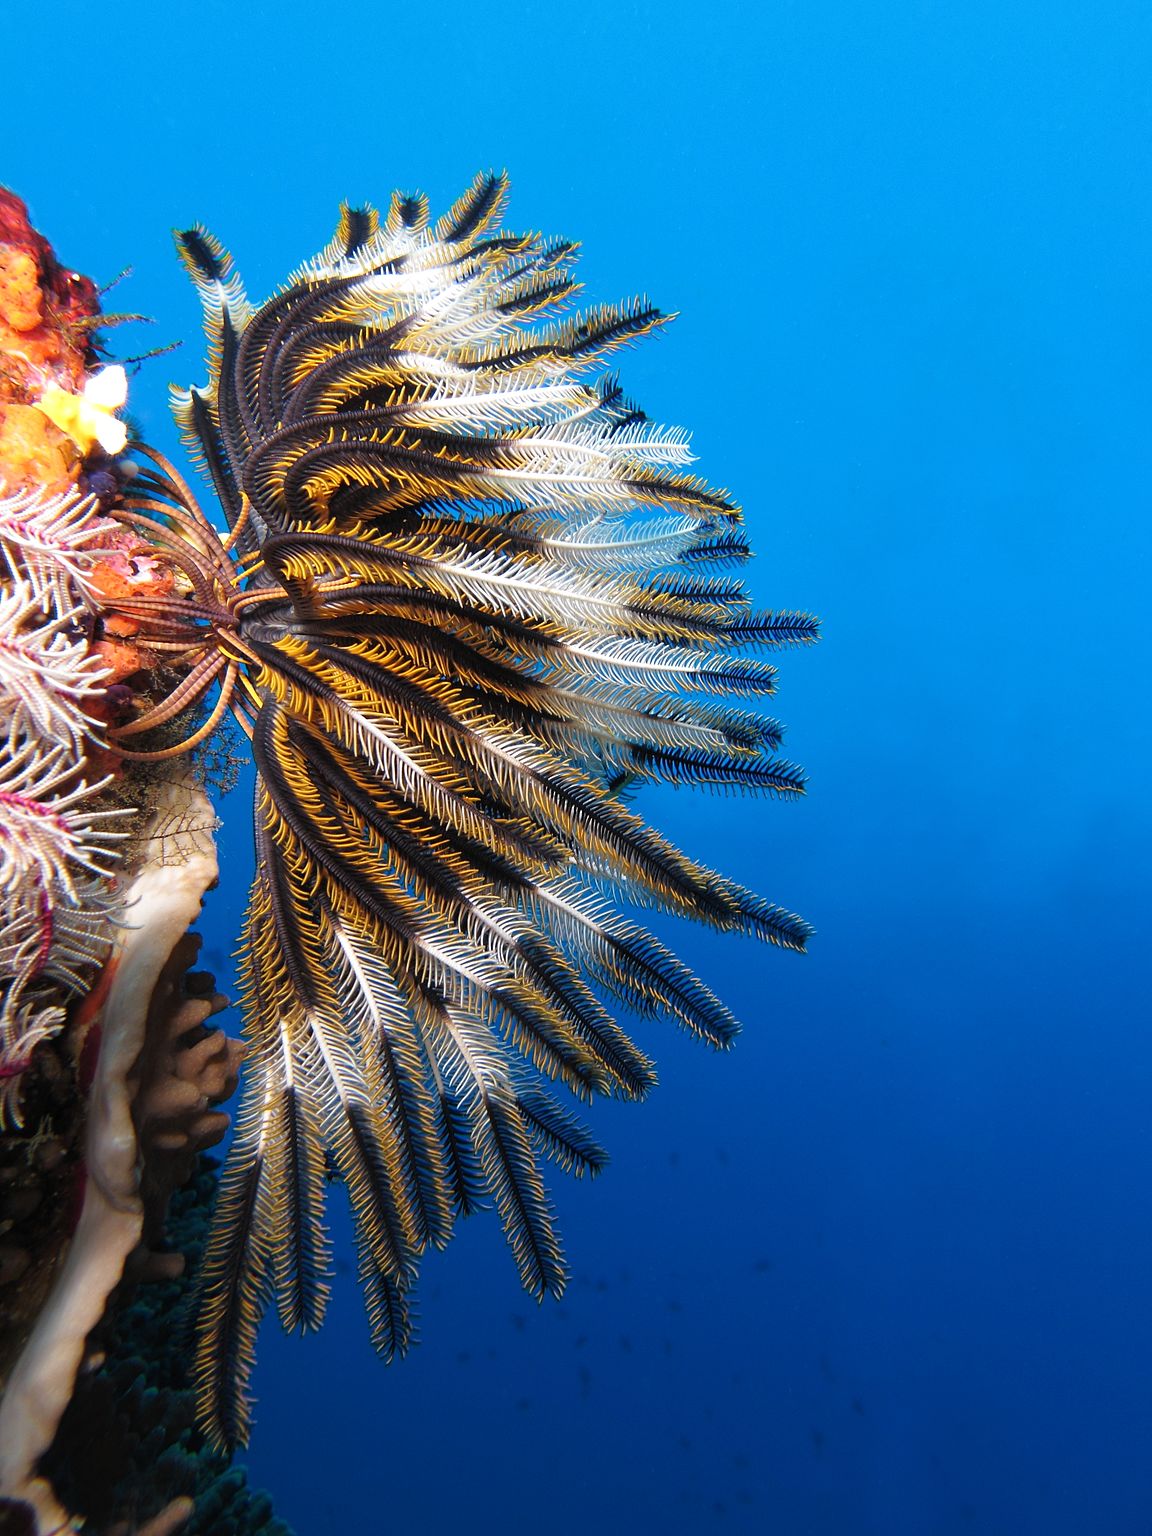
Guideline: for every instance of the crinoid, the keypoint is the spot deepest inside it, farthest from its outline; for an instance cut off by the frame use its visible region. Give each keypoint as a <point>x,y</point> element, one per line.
<point>470,592</point>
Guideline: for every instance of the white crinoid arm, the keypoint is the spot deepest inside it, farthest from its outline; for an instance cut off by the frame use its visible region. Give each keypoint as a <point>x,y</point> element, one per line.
<point>47,670</point>
<point>58,842</point>
<point>47,543</point>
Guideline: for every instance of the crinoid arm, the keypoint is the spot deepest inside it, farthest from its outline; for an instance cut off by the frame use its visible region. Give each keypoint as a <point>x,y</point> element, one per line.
<point>475,593</point>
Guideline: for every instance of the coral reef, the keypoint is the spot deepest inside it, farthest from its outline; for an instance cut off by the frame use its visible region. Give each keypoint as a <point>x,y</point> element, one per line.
<point>110,1075</point>
<point>142,1089</point>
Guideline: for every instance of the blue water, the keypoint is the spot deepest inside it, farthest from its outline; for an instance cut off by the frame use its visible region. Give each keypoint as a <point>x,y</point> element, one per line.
<point>886,1270</point>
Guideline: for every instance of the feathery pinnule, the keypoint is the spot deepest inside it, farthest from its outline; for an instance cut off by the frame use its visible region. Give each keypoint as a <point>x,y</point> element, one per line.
<point>468,595</point>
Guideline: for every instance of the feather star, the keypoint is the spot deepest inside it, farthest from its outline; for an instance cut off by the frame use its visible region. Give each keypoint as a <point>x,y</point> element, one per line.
<point>469,595</point>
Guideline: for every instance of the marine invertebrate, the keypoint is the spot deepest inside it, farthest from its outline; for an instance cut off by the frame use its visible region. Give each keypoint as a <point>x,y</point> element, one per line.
<point>109,1080</point>
<point>468,598</point>
<point>89,418</point>
<point>469,594</point>
<point>57,838</point>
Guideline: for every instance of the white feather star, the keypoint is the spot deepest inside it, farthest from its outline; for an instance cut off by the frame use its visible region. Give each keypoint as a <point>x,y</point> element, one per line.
<point>46,541</point>
<point>46,668</point>
<point>58,846</point>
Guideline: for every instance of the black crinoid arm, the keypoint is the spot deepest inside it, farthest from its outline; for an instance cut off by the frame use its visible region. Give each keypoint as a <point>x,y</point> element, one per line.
<point>481,594</point>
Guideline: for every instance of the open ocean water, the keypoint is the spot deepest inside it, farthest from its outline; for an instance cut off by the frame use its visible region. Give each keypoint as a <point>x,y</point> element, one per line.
<point>885,1269</point>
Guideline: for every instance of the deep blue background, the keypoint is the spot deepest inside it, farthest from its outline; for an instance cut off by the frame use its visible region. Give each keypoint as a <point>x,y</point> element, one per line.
<point>887,1269</point>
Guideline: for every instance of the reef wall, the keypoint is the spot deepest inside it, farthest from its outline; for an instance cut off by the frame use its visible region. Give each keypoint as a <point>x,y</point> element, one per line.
<point>111,1073</point>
